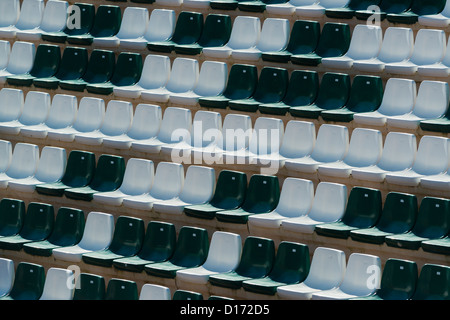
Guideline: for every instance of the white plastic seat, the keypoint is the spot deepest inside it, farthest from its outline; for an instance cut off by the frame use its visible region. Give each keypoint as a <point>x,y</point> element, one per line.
<point>439,20</point>
<point>155,74</point>
<point>21,60</point>
<point>5,155</point>
<point>54,19</point>
<point>296,199</point>
<point>274,37</point>
<point>317,9</point>
<point>245,34</point>
<point>287,8</point>
<point>330,201</point>
<point>365,44</point>
<point>62,114</point>
<point>439,181</point>
<point>150,291</point>
<point>365,148</point>
<point>133,25</point>
<point>212,80</point>
<point>14,99</point>
<point>362,277</point>
<point>34,112</point>
<point>90,114</point>
<point>137,180</point>
<point>223,256</point>
<point>204,180</point>
<point>177,120</point>
<point>30,17</point>
<point>168,183</point>
<point>437,69</point>
<point>51,168</point>
<point>326,272</point>
<point>170,3</point>
<point>97,235</point>
<point>58,285</point>
<point>146,124</point>
<point>432,158</point>
<point>183,78</point>
<point>24,162</point>
<point>399,152</point>
<point>5,50</point>
<point>429,48</point>
<point>7,273</point>
<point>9,12</point>
<point>331,145</point>
<point>397,46</point>
<point>196,4</point>
<point>432,102</point>
<point>399,98</point>
<point>117,121</point>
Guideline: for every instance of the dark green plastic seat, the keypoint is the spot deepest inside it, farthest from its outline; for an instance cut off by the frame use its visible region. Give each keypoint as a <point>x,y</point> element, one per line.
<point>441,246</point>
<point>107,21</point>
<point>158,245</point>
<point>334,92</point>
<point>272,86</point>
<point>262,196</point>
<point>303,39</point>
<point>46,64</point>
<point>127,241</point>
<point>188,29</point>
<point>398,281</point>
<point>73,66</point>
<point>12,216</point>
<point>121,289</point>
<point>363,210</point>
<point>85,13</point>
<point>291,266</point>
<point>127,72</point>
<point>418,8</point>
<point>301,91</point>
<point>67,231</point>
<point>108,176</point>
<point>80,169</point>
<point>186,295</point>
<point>89,287</point>
<point>215,33</point>
<point>256,5</point>
<point>433,222</point>
<point>191,251</point>
<point>257,260</point>
<point>100,69</point>
<point>29,280</point>
<point>229,194</point>
<point>224,4</point>
<point>441,124</point>
<point>241,84</point>
<point>334,41</point>
<point>348,11</point>
<point>433,283</point>
<point>37,226</point>
<point>398,216</point>
<point>386,7</point>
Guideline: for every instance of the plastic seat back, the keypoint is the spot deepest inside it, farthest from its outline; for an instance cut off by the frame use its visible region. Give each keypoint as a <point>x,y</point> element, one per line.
<point>5,50</point>
<point>46,61</point>
<point>216,31</point>
<point>331,144</point>
<point>399,280</point>
<point>7,275</point>
<point>52,164</point>
<point>90,287</point>
<point>432,99</point>
<point>364,207</point>
<point>245,32</point>
<point>432,156</point>
<point>291,146</point>
<point>291,264</point>
<point>296,197</point>
<point>212,78</point>
<point>14,99</point>
<point>186,295</point>
<point>169,180</point>
<point>334,91</point>
<point>21,58</point>
<point>366,42</point>
<point>302,89</point>
<point>188,28</point>
<point>68,228</point>
<point>365,148</point>
<point>98,231</point>
<point>242,82</point>
<point>108,174</point>
<point>138,177</point>
<point>397,46</point>
<point>9,12</point>
<point>330,202</point>
<point>108,19</point>
<point>433,218</point>
<point>86,19</point>
<point>5,155</point>
<point>24,161</point>
<point>399,213</point>
<point>395,6</point>
<point>31,13</point>
<point>146,121</point>
<point>174,119</point>
<point>272,85</point>
<point>304,37</point>
<point>399,151</point>
<point>205,123</point>
<point>90,115</point>
<point>12,215</point>
<point>224,252</point>
<point>429,47</point>
<point>118,118</point>
<point>161,25</point>
<point>63,111</point>
<point>155,72</point>
<point>257,257</point>
<point>128,236</point>
<point>29,281</point>
<point>366,94</point>
<point>433,283</point>
<point>80,169</point>
<point>159,242</point>
<point>334,40</point>
<point>36,108</point>
<point>39,221</point>
<point>421,7</point>
<point>54,17</point>
<point>399,97</point>
<point>263,194</point>
<point>128,69</point>
<point>192,247</point>
<point>204,179</point>
<point>184,75</point>
<point>121,289</point>
<point>274,35</point>
<point>73,63</point>
<point>134,23</point>
<point>230,190</point>
<point>151,291</point>
<point>100,66</point>
<point>55,286</point>
<point>267,136</point>
<point>356,280</point>
<point>236,132</point>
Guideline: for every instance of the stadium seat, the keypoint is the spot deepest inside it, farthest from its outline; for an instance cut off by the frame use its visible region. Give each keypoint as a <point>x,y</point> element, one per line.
<point>30,17</point>
<point>436,20</point>
<point>365,44</point>
<point>334,41</point>
<point>366,95</point>
<point>333,93</point>
<point>256,261</point>
<point>317,9</point>
<point>328,206</point>
<point>158,245</point>
<point>398,216</point>
<point>37,226</point>
<point>9,13</point>
<point>437,69</point>
<point>397,46</point>
<point>418,8</point>
<point>223,256</point>
<point>29,280</point>
<point>7,272</point>
<point>364,208</point>
<point>106,23</point>
<point>331,145</point>
<point>229,194</point>
<point>245,34</point>
<point>150,291</point>
<point>191,251</point>
<point>326,272</point>
<point>362,277</point>
<point>223,4</point>
<point>399,98</point>
<point>12,216</point>
<point>24,163</point>
<point>385,7</point>
<point>89,287</point>
<point>439,181</point>
<point>54,19</point>
<point>290,266</point>
<point>432,223</point>
<point>14,99</point>
<point>433,283</point>
<point>46,64</point>
<point>21,60</point>
<point>181,294</point>
<point>170,3</point>
<point>56,285</point>
<point>121,289</point>
<point>168,183</point>
<point>5,155</point>
<point>440,246</point>
<point>347,11</point>
<point>97,235</point>
<point>5,50</point>
<point>196,4</point>
<point>441,124</point>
